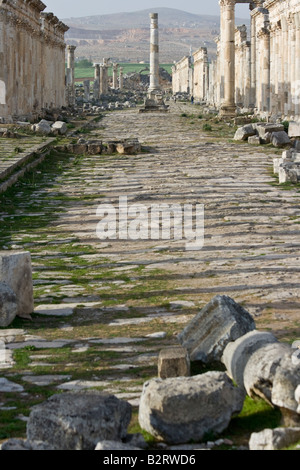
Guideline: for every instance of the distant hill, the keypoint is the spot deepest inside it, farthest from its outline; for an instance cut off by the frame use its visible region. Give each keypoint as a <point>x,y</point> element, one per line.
<point>168,18</point>
<point>125,36</point>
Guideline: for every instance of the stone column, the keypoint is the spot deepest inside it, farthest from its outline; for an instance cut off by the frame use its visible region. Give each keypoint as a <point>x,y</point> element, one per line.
<point>71,63</point>
<point>86,85</point>
<point>71,74</point>
<point>115,76</point>
<point>228,107</point>
<point>154,54</point>
<point>97,82</point>
<point>292,70</point>
<point>121,78</point>
<point>264,36</point>
<point>296,96</point>
<point>253,62</point>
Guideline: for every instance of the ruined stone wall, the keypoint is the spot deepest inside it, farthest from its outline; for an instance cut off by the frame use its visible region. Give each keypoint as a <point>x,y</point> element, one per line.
<point>182,76</point>
<point>32,59</point>
<point>201,74</point>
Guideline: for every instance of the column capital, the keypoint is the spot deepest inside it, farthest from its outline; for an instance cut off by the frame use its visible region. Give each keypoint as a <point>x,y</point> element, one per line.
<point>227,3</point>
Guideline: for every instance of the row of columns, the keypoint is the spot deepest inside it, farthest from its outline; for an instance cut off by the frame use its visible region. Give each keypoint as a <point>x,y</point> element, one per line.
<point>262,74</point>
<point>101,80</point>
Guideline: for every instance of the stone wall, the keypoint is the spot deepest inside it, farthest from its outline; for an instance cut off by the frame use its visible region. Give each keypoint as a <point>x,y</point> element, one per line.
<point>260,74</point>
<point>32,59</point>
<point>201,74</point>
<point>182,76</point>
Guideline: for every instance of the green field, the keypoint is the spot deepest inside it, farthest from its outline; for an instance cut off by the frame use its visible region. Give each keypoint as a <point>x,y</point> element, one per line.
<point>88,72</point>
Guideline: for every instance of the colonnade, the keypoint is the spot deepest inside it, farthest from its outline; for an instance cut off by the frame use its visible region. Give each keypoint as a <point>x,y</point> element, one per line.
<point>259,71</point>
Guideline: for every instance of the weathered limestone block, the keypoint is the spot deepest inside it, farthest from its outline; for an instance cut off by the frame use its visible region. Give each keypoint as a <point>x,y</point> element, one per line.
<point>294,129</point>
<point>16,272</point>
<point>281,139</point>
<point>285,384</point>
<point>43,127</point>
<point>221,321</point>
<point>94,147</point>
<point>59,127</point>
<point>297,398</point>
<point>260,370</point>
<point>128,147</point>
<point>244,132</point>
<point>289,172</point>
<point>114,445</point>
<point>237,353</point>
<point>8,305</point>
<point>274,439</point>
<point>181,409</point>
<point>263,128</point>
<point>23,444</point>
<point>79,420</point>
<point>77,149</point>
<point>173,362</point>
<point>254,140</point>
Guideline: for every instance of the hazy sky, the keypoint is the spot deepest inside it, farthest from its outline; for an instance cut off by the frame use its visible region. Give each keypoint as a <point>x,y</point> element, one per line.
<point>76,8</point>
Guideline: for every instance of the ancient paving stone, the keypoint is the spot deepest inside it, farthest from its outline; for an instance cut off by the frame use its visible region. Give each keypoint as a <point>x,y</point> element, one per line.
<point>251,249</point>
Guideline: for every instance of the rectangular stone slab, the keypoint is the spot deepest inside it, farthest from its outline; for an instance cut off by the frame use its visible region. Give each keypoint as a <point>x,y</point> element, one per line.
<point>16,272</point>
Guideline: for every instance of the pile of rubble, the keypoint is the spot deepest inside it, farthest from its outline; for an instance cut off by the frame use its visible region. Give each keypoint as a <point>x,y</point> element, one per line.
<point>288,166</point>
<point>264,133</point>
<point>175,407</point>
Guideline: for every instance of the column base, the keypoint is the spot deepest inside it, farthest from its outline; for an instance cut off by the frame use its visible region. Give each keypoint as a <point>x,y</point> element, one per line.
<point>227,111</point>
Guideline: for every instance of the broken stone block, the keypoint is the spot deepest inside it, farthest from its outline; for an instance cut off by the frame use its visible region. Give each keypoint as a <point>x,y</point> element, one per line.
<point>285,384</point>
<point>254,140</point>
<point>43,127</point>
<point>178,410</point>
<point>77,149</point>
<point>262,128</point>
<point>94,147</point>
<point>173,362</point>
<point>23,444</point>
<point>294,129</point>
<point>79,420</point>
<point>237,353</point>
<point>281,139</point>
<point>8,305</point>
<point>289,172</point>
<point>221,321</point>
<point>274,439</point>
<point>128,147</point>
<point>260,369</point>
<point>244,132</point>
<point>59,127</point>
<point>16,272</point>
<point>115,445</point>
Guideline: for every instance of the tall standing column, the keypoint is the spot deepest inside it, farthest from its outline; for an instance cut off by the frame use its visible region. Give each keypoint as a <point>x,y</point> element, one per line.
<point>115,76</point>
<point>296,94</point>
<point>121,79</point>
<point>71,74</point>
<point>154,54</point>
<point>228,107</point>
<point>264,36</point>
<point>97,82</point>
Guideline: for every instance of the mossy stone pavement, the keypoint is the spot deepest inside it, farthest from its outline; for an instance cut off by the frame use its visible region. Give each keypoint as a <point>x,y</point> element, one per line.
<point>104,309</point>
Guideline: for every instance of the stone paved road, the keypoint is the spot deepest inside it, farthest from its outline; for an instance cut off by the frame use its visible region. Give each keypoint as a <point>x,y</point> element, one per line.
<point>251,249</point>
<point>121,291</point>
